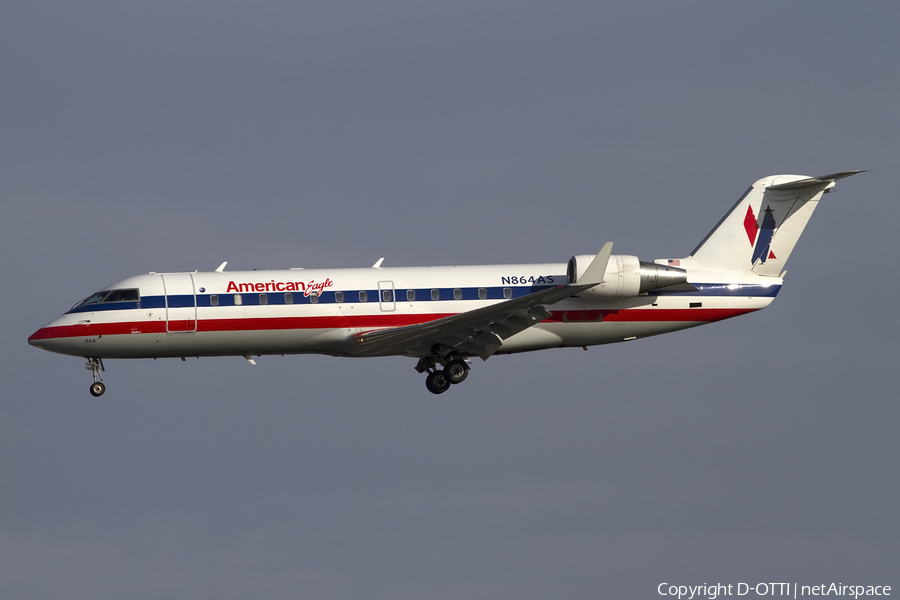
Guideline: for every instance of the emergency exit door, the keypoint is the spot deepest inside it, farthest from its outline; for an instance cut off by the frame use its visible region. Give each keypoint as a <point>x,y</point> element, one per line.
<point>386,300</point>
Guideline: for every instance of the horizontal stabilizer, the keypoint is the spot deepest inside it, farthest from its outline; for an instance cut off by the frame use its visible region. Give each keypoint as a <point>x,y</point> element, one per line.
<point>821,180</point>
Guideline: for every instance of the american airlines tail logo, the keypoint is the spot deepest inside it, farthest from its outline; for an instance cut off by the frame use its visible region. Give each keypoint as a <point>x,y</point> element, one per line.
<point>760,236</point>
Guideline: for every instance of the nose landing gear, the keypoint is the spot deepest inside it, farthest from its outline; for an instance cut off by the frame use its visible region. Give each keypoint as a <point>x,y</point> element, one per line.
<point>95,366</point>
<point>438,380</point>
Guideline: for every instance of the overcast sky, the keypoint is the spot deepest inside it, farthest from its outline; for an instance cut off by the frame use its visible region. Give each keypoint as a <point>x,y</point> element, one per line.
<point>172,136</point>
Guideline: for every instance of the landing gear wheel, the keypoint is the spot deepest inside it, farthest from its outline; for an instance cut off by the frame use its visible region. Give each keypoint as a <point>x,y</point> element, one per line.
<point>437,382</point>
<point>457,370</point>
<point>95,366</point>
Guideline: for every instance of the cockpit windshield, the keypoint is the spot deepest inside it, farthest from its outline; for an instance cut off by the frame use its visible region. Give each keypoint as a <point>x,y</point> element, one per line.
<point>127,295</point>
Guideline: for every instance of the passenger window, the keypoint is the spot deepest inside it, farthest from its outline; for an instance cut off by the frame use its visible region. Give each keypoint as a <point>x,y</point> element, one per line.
<point>410,295</point>
<point>457,294</point>
<point>238,300</point>
<point>482,293</point>
<point>386,296</point>
<point>339,297</point>
<point>314,297</point>
<point>363,296</point>
<point>263,299</point>
<point>213,300</point>
<point>507,293</point>
<point>435,294</point>
<point>288,298</point>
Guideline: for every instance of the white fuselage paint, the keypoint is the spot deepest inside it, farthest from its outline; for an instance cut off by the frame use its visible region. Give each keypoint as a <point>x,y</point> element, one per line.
<point>221,313</point>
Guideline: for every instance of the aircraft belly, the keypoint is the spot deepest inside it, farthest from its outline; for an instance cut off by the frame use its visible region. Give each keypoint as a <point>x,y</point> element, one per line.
<point>590,325</point>
<point>590,334</point>
<point>210,343</point>
<point>534,338</point>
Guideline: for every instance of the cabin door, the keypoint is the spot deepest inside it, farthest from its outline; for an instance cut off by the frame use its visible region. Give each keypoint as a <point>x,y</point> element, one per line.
<point>181,303</point>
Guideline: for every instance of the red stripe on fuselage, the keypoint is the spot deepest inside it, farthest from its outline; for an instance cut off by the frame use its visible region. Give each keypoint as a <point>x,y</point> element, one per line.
<point>644,315</point>
<point>371,321</point>
<point>94,329</point>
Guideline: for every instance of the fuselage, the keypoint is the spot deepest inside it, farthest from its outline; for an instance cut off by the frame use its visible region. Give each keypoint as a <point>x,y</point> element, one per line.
<point>298,311</point>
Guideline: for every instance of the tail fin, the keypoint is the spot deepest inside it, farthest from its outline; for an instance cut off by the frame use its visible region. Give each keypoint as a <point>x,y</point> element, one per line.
<point>759,233</point>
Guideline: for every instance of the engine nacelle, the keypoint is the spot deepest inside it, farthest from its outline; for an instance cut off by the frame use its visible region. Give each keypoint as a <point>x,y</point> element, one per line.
<point>626,276</point>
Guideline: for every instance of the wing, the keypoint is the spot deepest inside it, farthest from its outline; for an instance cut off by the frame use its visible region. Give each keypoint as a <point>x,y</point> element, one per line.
<point>478,332</point>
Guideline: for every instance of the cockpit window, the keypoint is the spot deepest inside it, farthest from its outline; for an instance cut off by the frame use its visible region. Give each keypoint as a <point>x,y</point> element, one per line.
<point>128,295</point>
<point>122,296</point>
<point>92,299</point>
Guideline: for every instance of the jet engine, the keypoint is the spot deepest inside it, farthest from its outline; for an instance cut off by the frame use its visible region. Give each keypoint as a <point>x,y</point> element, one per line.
<point>626,276</point>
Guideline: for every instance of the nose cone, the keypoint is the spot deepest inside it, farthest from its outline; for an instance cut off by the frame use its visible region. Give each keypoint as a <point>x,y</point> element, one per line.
<point>57,337</point>
<point>39,338</point>
<point>35,337</point>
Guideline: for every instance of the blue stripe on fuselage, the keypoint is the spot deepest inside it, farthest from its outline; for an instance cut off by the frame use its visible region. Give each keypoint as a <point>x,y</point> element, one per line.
<point>400,296</point>
<point>726,289</point>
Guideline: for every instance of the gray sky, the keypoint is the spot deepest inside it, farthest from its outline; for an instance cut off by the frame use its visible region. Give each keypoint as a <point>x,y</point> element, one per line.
<point>175,135</point>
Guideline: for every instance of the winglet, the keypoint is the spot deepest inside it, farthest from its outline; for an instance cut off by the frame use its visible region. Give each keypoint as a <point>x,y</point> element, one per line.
<point>377,264</point>
<point>597,269</point>
<point>221,267</point>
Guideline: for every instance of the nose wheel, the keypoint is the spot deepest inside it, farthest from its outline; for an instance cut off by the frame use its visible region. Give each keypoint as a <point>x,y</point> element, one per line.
<point>95,366</point>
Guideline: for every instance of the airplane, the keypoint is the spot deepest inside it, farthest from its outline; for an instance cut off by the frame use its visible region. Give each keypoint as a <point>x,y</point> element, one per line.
<point>446,316</point>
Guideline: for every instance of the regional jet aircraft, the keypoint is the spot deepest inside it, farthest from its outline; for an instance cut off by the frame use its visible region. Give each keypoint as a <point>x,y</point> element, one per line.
<point>444,316</point>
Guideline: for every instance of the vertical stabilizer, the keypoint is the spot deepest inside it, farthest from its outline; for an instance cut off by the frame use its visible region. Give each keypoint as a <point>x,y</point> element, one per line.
<point>759,233</point>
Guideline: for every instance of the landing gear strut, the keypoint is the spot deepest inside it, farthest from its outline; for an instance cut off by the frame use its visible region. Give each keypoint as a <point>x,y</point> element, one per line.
<point>95,366</point>
<point>439,380</point>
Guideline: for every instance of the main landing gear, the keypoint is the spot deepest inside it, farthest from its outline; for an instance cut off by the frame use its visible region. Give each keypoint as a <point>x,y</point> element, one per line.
<point>438,380</point>
<point>95,366</point>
